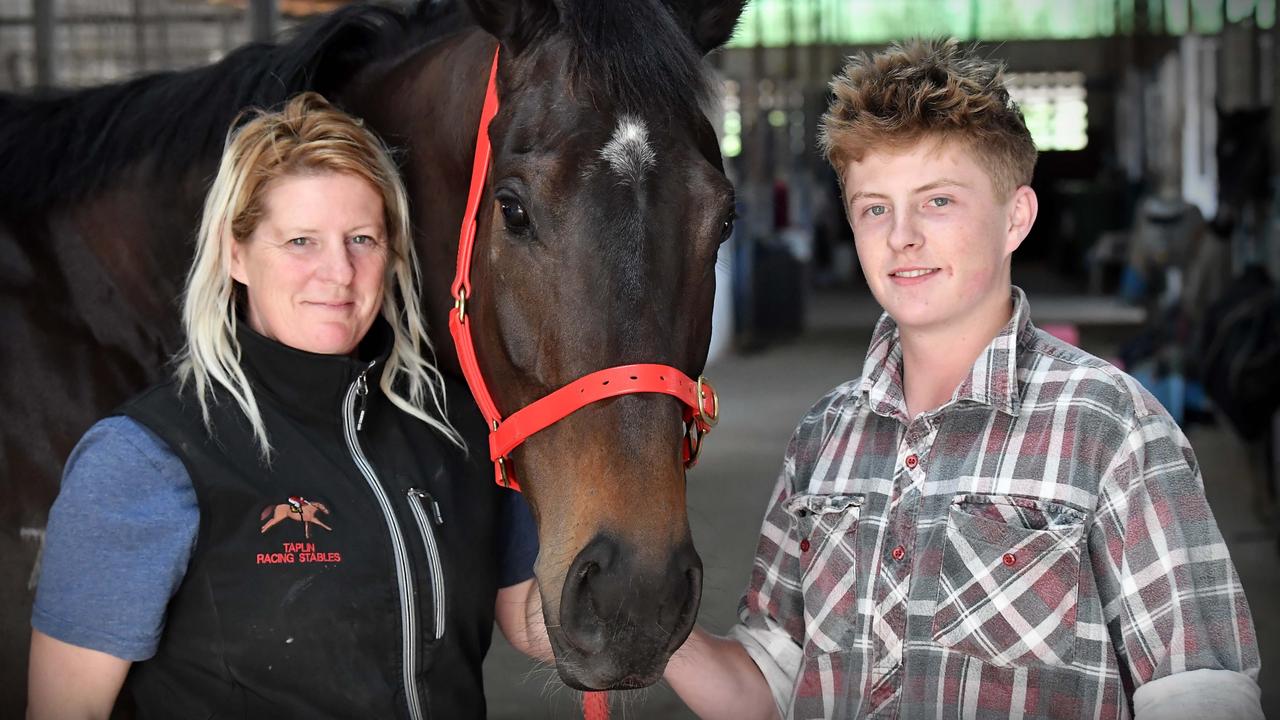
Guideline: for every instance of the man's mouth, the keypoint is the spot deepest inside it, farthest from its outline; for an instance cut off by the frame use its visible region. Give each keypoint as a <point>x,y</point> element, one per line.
<point>918,272</point>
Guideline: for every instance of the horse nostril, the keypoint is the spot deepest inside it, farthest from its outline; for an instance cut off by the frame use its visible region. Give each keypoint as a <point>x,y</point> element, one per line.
<point>588,598</point>
<point>688,613</point>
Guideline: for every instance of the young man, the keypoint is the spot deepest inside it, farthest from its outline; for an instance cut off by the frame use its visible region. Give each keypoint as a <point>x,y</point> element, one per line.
<point>989,522</point>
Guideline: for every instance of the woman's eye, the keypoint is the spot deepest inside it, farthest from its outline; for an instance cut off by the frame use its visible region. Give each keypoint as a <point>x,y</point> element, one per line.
<point>298,242</point>
<point>514,215</point>
<point>362,240</point>
<point>877,210</point>
<point>940,201</point>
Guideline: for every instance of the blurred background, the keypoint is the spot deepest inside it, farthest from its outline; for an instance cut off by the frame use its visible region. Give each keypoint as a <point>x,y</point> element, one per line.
<point>1157,244</point>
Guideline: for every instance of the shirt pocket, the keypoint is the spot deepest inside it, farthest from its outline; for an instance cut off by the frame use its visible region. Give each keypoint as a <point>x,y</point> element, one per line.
<point>1009,582</point>
<point>826,527</point>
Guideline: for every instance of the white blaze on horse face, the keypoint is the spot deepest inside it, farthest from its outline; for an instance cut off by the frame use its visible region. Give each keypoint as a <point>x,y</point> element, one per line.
<point>628,152</point>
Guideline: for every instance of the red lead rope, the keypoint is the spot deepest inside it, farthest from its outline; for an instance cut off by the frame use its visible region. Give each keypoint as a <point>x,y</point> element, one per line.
<point>701,406</point>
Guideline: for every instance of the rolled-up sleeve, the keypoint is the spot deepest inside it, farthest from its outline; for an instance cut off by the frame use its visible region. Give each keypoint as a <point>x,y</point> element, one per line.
<point>1171,597</point>
<point>772,610</point>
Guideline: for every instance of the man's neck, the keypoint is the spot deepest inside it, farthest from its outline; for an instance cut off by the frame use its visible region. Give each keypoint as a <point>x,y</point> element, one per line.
<point>935,361</point>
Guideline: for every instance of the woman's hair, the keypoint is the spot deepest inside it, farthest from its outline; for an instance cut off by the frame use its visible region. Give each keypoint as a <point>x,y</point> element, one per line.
<point>928,89</point>
<point>308,136</point>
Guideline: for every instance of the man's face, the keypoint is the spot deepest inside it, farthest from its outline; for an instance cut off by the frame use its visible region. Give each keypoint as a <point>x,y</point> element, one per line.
<point>933,237</point>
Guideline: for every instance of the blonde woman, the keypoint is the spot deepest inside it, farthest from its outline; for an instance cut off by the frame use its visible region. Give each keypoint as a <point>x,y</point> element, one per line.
<point>290,527</point>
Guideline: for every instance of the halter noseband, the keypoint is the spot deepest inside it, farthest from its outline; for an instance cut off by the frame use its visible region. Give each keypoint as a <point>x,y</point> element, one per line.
<point>701,405</point>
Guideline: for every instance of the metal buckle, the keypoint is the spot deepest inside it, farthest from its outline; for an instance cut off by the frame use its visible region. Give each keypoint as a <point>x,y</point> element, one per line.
<point>714,417</point>
<point>460,304</point>
<point>502,470</point>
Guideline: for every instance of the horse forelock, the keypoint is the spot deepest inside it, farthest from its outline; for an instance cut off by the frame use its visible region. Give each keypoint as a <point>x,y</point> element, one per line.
<point>635,55</point>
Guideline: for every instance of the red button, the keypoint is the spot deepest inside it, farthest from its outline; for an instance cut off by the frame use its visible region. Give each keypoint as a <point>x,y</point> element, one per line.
<point>912,462</point>
<point>804,545</point>
<point>1010,559</point>
<point>899,553</point>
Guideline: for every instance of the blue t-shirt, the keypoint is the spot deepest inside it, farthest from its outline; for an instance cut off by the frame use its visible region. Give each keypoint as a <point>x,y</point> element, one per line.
<point>122,530</point>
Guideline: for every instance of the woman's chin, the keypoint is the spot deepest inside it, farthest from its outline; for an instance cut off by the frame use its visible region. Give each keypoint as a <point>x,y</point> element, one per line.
<point>326,341</point>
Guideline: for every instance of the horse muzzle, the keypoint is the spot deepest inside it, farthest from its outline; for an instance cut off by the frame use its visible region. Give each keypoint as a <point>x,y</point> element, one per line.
<point>619,621</point>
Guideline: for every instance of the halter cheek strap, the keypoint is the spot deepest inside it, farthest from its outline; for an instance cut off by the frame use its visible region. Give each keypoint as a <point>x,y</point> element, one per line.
<point>701,405</point>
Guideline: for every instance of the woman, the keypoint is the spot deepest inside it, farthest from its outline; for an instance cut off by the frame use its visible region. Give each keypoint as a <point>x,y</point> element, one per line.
<point>291,526</point>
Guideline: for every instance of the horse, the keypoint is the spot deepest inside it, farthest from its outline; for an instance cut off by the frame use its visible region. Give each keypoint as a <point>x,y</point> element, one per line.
<point>298,509</point>
<point>597,234</point>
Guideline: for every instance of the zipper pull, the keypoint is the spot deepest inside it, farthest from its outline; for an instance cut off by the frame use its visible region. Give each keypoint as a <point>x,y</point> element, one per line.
<point>435,506</point>
<point>362,397</point>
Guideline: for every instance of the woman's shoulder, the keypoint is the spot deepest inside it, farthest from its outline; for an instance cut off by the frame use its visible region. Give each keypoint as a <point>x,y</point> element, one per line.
<point>119,446</point>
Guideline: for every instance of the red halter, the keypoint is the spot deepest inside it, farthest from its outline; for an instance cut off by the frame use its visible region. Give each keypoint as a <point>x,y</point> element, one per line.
<point>702,407</point>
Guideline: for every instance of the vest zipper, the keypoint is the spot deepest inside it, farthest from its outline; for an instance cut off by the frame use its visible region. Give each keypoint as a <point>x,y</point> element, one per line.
<point>419,502</point>
<point>408,620</point>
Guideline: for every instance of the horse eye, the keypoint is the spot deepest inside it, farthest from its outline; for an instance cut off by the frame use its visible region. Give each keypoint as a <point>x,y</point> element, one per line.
<point>514,215</point>
<point>726,228</point>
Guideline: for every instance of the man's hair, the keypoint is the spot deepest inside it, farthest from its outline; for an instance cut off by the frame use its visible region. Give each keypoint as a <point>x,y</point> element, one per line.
<point>308,136</point>
<point>928,89</point>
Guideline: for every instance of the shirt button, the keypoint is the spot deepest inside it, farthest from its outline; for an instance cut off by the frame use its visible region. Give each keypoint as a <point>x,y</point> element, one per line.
<point>899,553</point>
<point>804,545</point>
<point>1010,559</point>
<point>912,462</point>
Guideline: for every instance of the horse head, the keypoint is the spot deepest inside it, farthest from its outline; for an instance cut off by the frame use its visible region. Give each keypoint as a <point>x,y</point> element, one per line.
<point>598,230</point>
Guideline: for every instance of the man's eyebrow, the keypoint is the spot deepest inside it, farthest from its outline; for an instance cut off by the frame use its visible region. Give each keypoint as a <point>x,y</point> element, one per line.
<point>939,183</point>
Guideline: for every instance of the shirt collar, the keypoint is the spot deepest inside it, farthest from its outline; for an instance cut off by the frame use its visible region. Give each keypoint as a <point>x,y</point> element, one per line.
<point>992,381</point>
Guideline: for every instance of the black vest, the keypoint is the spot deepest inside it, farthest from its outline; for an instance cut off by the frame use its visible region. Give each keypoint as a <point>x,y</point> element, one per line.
<point>359,563</point>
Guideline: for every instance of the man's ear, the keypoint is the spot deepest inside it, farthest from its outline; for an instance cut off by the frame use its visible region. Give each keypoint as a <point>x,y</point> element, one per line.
<point>1022,215</point>
<point>515,23</point>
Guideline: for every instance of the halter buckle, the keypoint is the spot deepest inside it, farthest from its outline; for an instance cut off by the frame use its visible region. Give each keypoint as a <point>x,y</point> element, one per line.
<point>502,470</point>
<point>708,418</point>
<point>460,304</point>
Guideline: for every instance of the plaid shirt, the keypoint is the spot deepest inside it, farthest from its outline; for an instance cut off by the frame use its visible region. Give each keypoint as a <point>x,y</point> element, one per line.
<point>1040,546</point>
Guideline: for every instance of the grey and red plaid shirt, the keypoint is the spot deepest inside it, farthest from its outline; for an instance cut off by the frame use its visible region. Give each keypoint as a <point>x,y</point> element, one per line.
<point>1038,547</point>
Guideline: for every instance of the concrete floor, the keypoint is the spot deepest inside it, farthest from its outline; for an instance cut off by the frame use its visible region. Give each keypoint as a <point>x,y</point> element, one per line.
<point>764,396</point>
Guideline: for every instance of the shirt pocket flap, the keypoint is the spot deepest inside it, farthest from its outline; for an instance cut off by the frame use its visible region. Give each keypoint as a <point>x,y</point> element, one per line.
<point>809,511</point>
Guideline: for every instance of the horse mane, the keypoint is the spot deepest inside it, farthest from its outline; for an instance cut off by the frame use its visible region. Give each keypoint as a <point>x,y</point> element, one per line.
<point>61,147</point>
<point>636,53</point>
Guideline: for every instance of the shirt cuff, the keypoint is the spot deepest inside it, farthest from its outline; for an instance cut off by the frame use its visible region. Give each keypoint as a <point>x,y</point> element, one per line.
<point>1197,694</point>
<point>777,656</point>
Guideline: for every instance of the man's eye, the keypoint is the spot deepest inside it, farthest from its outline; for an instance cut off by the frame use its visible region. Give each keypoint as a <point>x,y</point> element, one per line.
<point>940,201</point>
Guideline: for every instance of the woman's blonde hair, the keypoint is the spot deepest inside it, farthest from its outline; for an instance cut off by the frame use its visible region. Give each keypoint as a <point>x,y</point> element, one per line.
<point>308,136</point>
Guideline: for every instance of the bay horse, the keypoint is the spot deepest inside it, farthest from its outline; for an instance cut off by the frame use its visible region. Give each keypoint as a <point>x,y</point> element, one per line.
<point>597,238</point>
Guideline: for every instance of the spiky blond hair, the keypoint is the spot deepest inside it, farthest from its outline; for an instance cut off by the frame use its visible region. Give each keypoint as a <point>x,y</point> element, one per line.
<point>928,89</point>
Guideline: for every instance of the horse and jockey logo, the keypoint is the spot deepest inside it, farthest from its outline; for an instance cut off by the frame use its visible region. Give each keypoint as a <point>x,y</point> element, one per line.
<point>299,509</point>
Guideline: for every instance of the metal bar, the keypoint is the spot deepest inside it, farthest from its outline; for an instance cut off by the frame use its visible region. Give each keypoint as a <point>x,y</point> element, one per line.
<point>46,70</point>
<point>264,20</point>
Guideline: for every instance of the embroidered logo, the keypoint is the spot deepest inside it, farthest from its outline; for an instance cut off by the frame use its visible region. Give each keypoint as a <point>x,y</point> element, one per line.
<point>299,509</point>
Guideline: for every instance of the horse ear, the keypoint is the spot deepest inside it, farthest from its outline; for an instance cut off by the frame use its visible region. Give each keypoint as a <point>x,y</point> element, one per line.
<point>515,23</point>
<point>711,22</point>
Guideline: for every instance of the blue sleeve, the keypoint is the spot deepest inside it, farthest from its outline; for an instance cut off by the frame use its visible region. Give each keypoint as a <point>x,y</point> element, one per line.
<point>118,541</point>
<point>517,539</point>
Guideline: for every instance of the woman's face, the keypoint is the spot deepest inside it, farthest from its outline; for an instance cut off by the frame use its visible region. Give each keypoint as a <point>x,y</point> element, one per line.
<point>314,266</point>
